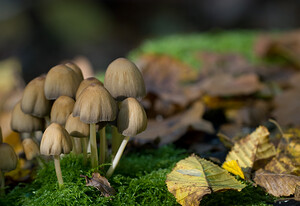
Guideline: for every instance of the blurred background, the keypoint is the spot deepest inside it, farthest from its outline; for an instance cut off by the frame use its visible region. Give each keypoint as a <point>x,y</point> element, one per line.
<point>41,33</point>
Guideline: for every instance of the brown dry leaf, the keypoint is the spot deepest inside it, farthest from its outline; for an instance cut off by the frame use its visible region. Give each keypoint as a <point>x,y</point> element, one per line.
<point>283,164</point>
<point>194,177</point>
<point>277,184</point>
<point>228,85</point>
<point>172,128</point>
<point>287,105</point>
<point>100,183</point>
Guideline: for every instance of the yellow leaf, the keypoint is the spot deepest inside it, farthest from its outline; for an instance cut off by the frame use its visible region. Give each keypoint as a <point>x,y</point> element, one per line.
<point>234,168</point>
<point>194,177</point>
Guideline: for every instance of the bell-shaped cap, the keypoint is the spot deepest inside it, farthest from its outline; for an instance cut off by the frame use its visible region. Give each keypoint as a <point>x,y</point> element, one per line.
<point>34,101</point>
<point>55,141</point>
<point>95,104</point>
<point>132,117</point>
<point>61,109</point>
<point>76,69</point>
<point>77,128</point>
<point>21,122</point>
<point>31,149</point>
<point>61,81</point>
<point>85,83</point>
<point>8,158</point>
<point>123,79</point>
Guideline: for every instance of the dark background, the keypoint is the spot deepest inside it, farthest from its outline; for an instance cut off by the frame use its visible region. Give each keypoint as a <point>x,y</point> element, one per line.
<point>41,33</point>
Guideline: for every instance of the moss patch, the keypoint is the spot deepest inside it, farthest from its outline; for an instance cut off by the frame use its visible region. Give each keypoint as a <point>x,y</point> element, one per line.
<point>139,180</point>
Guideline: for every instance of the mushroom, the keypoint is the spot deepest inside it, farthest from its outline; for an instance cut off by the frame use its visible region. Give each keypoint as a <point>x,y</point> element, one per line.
<point>78,130</point>
<point>8,162</point>
<point>31,150</point>
<point>61,81</point>
<point>61,109</point>
<point>21,122</point>
<point>55,141</point>
<point>94,105</point>
<point>76,69</point>
<point>34,101</point>
<point>131,120</point>
<point>123,79</point>
<point>85,83</point>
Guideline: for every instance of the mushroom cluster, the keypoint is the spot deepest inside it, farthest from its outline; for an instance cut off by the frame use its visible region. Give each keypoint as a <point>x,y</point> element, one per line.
<point>70,110</point>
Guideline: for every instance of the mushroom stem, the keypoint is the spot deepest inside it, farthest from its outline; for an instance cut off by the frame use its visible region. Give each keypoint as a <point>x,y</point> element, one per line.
<point>77,145</point>
<point>117,157</point>
<point>2,182</point>
<point>102,152</point>
<point>84,149</point>
<point>58,171</point>
<point>116,141</point>
<point>94,151</point>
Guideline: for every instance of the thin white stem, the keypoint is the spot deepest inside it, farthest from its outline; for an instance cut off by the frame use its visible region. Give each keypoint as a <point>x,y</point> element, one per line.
<point>102,152</point>
<point>58,170</point>
<point>94,151</point>
<point>117,157</point>
<point>77,145</point>
<point>116,140</point>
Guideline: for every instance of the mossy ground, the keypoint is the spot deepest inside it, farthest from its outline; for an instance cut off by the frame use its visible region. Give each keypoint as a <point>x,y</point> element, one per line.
<point>139,180</point>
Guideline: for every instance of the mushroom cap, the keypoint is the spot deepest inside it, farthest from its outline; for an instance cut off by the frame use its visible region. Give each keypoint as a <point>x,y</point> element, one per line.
<point>21,122</point>
<point>132,117</point>
<point>76,69</point>
<point>61,81</point>
<point>123,79</point>
<point>8,158</point>
<point>61,109</point>
<point>77,128</point>
<point>55,141</point>
<point>85,83</point>
<point>1,138</point>
<point>31,149</point>
<point>95,104</point>
<point>34,101</point>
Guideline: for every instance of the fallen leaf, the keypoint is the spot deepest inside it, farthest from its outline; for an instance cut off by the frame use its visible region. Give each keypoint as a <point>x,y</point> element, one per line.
<point>172,128</point>
<point>234,168</point>
<point>283,164</point>
<point>277,184</point>
<point>194,177</point>
<point>100,183</point>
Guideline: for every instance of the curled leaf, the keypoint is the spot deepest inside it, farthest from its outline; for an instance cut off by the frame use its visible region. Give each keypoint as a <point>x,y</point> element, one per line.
<point>234,168</point>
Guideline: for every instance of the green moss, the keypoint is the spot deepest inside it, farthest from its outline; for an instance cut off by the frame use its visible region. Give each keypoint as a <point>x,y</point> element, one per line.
<point>139,180</point>
<point>185,47</point>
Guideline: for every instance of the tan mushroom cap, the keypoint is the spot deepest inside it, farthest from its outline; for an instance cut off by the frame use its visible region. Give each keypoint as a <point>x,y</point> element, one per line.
<point>123,79</point>
<point>85,83</point>
<point>55,141</point>
<point>95,104</point>
<point>76,69</point>
<point>21,122</point>
<point>132,117</point>
<point>34,101</point>
<point>8,158</point>
<point>77,128</point>
<point>61,109</point>
<point>31,149</point>
<point>61,81</point>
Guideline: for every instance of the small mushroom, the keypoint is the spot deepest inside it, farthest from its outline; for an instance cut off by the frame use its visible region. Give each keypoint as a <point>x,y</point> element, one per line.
<point>61,109</point>
<point>21,122</point>
<point>31,149</point>
<point>34,101</point>
<point>8,162</point>
<point>132,120</point>
<point>123,79</point>
<point>85,83</point>
<point>76,69</point>
<point>61,81</point>
<point>94,105</point>
<point>79,131</point>
<point>55,141</point>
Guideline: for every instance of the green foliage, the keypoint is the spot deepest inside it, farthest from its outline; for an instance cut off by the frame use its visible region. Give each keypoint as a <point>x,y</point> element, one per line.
<point>185,47</point>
